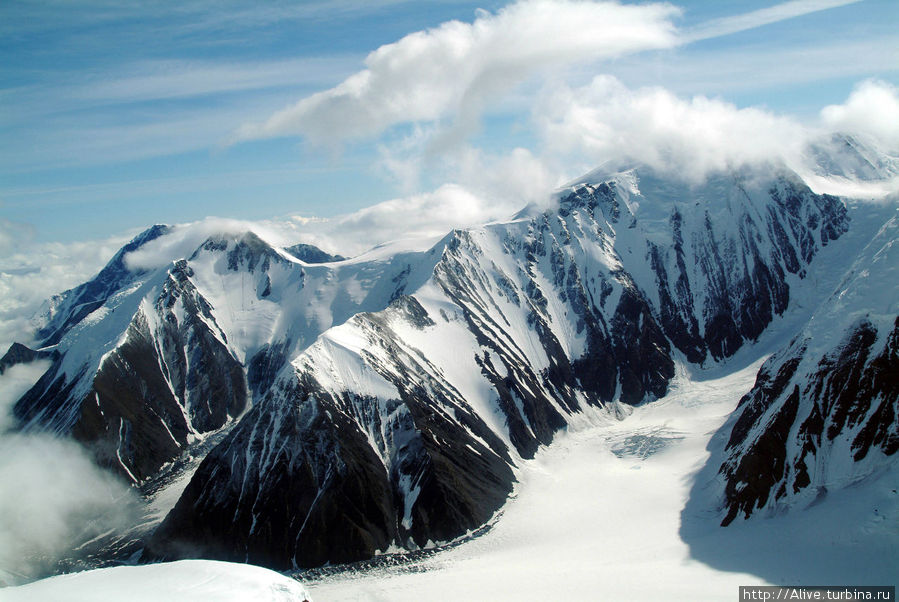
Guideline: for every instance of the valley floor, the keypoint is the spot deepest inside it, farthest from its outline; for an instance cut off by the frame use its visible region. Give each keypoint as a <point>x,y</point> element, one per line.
<point>600,515</point>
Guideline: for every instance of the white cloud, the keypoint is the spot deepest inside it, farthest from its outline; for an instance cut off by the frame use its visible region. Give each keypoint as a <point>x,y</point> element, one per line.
<point>494,188</point>
<point>478,187</point>
<point>412,222</point>
<point>872,110</point>
<point>13,236</point>
<point>184,239</point>
<point>417,215</point>
<point>53,497</point>
<point>482,188</point>
<point>404,160</point>
<point>452,71</point>
<point>14,383</point>
<point>509,182</point>
<point>606,121</point>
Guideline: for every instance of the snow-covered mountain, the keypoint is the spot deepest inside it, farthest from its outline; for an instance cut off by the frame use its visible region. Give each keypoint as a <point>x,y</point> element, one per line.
<point>149,361</point>
<point>389,399</point>
<point>403,426</point>
<point>824,411</point>
<point>846,156</point>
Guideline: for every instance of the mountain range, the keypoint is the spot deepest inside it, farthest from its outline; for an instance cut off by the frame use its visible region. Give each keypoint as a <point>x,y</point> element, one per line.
<point>335,408</point>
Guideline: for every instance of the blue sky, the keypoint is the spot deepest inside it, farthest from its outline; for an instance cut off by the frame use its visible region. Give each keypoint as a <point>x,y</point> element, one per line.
<point>114,116</point>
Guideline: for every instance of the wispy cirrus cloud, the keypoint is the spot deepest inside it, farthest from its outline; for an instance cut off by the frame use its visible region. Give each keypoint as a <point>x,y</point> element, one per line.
<point>153,108</point>
<point>760,67</point>
<point>170,79</point>
<point>174,20</point>
<point>764,16</point>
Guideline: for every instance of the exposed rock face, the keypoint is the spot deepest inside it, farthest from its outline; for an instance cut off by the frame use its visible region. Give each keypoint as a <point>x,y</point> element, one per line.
<point>314,474</point>
<point>20,354</point>
<point>823,412</point>
<point>725,276</point>
<point>312,254</point>
<point>169,378</point>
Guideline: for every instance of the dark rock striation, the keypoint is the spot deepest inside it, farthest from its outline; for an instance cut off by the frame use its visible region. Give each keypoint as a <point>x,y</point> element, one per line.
<point>824,412</point>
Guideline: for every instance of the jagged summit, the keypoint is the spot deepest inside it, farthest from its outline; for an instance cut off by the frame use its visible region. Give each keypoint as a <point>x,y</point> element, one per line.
<point>67,309</point>
<point>848,156</point>
<point>21,354</point>
<point>312,254</point>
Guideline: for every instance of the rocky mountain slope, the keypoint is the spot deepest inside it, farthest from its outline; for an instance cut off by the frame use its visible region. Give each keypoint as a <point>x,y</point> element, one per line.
<point>824,412</point>
<point>147,361</point>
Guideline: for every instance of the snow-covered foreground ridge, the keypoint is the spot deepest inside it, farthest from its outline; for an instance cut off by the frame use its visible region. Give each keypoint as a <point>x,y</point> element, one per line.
<point>186,581</point>
<point>390,400</point>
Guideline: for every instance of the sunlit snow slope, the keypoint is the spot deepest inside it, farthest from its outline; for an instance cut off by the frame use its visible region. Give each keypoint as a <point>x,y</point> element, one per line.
<point>187,580</point>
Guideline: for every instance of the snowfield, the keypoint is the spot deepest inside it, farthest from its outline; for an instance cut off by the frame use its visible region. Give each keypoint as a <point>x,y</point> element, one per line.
<point>184,581</point>
<point>603,514</point>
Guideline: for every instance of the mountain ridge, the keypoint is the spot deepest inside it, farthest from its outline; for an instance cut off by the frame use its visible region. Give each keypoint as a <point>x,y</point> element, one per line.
<point>531,404</point>
<point>388,399</point>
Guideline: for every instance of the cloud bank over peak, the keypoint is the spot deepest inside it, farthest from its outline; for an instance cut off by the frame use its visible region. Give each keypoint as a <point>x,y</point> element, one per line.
<point>183,240</point>
<point>871,110</point>
<point>439,82</point>
<point>605,121</point>
<point>453,70</point>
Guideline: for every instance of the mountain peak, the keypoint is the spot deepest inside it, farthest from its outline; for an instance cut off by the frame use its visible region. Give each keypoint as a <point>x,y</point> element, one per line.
<point>312,254</point>
<point>70,307</point>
